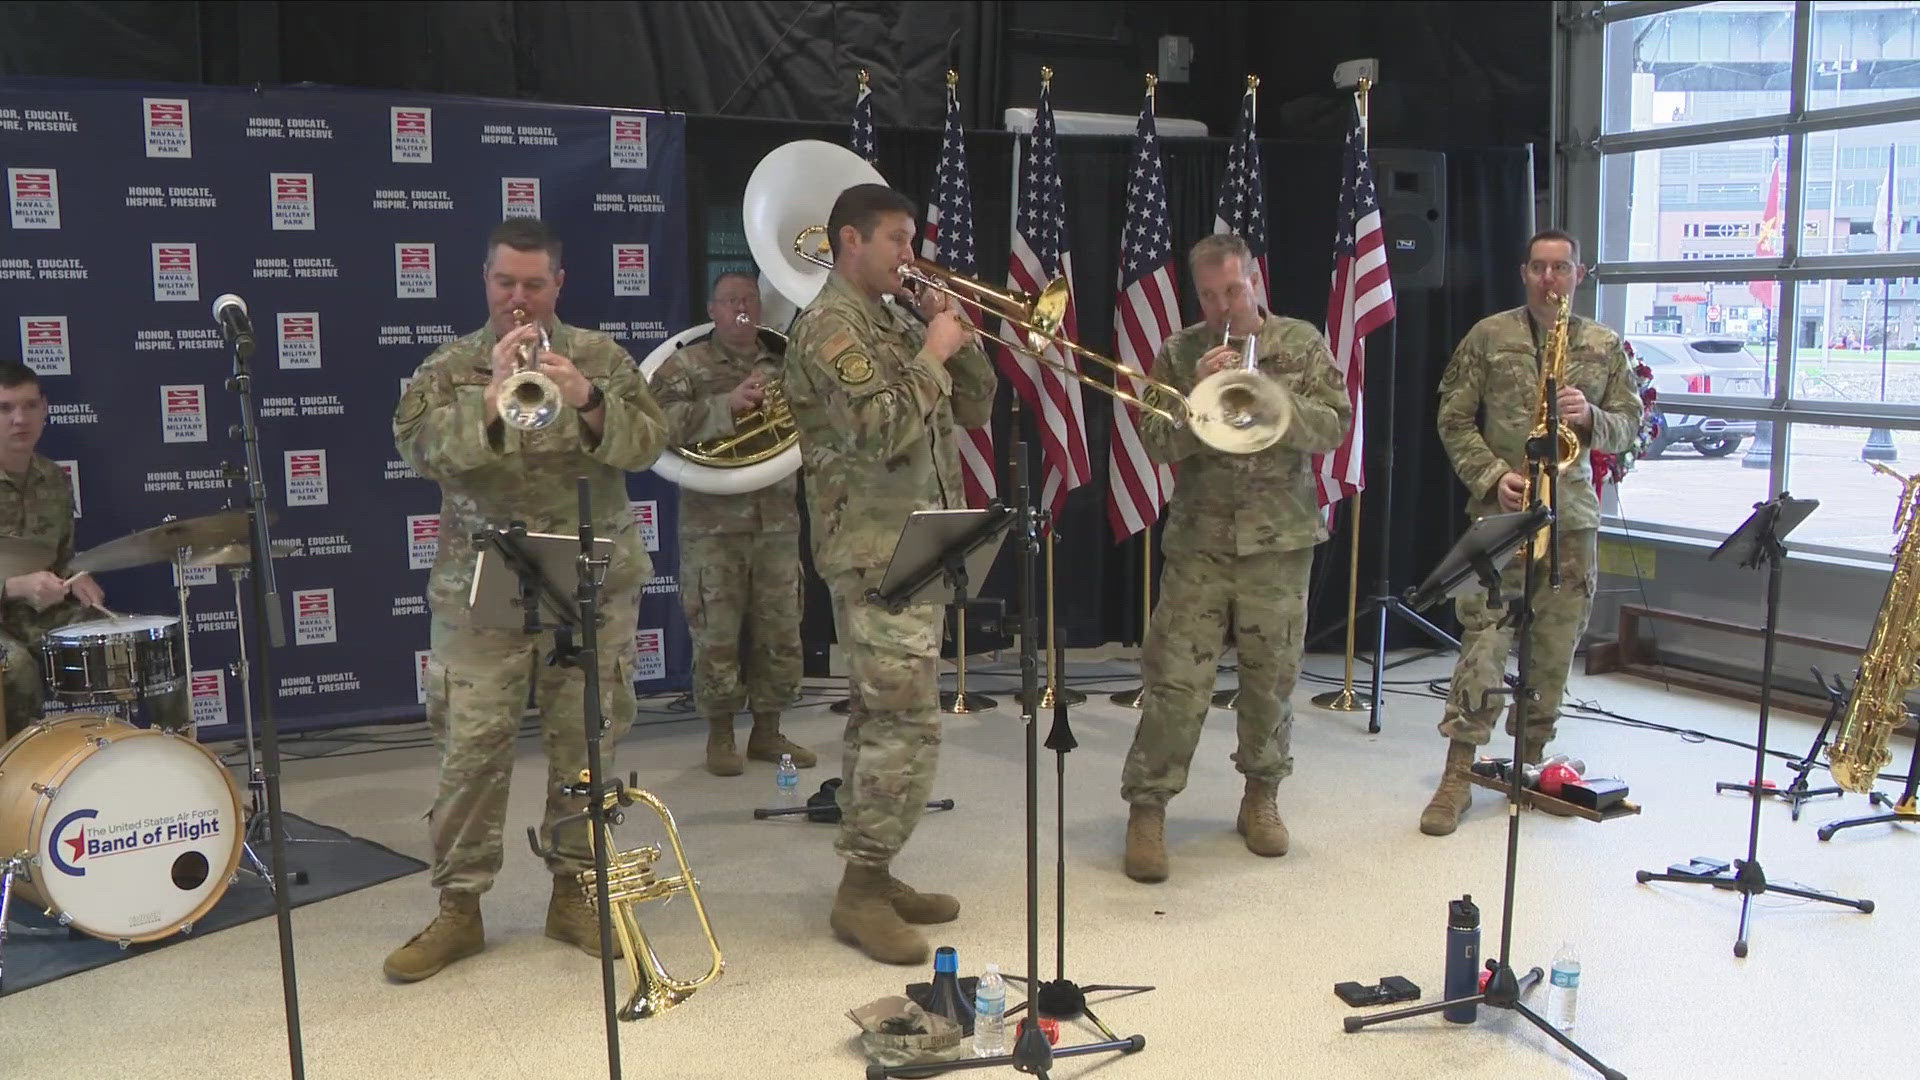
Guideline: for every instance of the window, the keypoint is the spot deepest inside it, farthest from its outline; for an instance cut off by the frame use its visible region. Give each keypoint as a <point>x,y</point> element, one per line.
<point>1827,366</point>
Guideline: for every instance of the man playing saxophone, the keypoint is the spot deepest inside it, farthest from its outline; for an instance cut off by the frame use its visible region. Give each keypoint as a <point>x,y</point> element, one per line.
<point>1488,408</point>
<point>739,554</point>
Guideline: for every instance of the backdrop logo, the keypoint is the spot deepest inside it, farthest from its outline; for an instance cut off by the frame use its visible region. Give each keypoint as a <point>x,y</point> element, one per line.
<point>627,139</point>
<point>519,196</point>
<point>35,197</point>
<point>420,658</point>
<point>632,274</point>
<point>646,516</point>
<point>299,339</point>
<point>72,469</point>
<point>293,201</point>
<point>209,699</point>
<point>649,655</point>
<point>313,621</point>
<point>306,477</point>
<point>423,541</point>
<point>183,414</point>
<point>412,135</point>
<point>44,344</point>
<point>176,271</point>
<point>169,128</point>
<point>413,275</point>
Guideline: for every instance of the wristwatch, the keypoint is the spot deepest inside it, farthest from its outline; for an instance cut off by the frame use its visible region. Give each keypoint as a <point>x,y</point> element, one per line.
<point>595,399</point>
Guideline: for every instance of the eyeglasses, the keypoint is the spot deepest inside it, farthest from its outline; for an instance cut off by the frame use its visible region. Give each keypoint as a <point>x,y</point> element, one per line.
<point>1557,269</point>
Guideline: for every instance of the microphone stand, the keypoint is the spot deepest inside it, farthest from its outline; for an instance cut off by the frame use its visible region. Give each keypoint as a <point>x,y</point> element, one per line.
<point>269,633</point>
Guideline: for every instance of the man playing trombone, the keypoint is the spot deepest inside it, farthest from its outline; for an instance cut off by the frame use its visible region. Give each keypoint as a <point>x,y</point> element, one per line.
<point>878,401</point>
<point>739,554</point>
<point>1239,540</point>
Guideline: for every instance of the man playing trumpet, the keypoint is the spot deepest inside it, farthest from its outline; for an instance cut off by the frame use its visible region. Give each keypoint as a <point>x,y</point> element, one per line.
<point>739,554</point>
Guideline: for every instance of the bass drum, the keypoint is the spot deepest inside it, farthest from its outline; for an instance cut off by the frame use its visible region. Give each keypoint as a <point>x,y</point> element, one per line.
<point>130,834</point>
<point>707,478</point>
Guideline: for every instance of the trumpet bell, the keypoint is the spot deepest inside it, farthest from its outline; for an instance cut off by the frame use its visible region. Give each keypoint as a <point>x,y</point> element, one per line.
<point>529,400</point>
<point>793,189</point>
<point>1239,411</point>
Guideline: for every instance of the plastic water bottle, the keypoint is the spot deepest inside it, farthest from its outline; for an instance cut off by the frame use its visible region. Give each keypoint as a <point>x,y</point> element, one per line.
<point>1563,993</point>
<point>990,1014</point>
<point>788,779</point>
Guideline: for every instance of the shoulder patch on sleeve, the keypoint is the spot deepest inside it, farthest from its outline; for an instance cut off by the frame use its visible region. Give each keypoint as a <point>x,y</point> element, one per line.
<point>844,355</point>
<point>414,402</point>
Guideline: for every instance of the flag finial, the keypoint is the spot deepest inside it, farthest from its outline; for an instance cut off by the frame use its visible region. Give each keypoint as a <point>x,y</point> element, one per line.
<point>1152,82</point>
<point>1253,82</point>
<point>863,78</point>
<point>953,78</point>
<point>1046,76</point>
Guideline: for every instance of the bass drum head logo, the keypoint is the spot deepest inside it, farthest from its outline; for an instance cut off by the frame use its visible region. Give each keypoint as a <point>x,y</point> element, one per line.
<point>34,195</point>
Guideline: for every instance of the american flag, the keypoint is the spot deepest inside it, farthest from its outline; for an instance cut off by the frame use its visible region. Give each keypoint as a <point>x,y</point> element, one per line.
<point>948,240</point>
<point>1359,302</point>
<point>1242,205</point>
<point>860,137</point>
<point>1147,311</point>
<point>1039,255</point>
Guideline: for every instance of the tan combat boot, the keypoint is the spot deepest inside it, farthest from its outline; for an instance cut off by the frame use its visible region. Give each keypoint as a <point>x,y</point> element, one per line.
<point>1259,819</point>
<point>1454,795</point>
<point>574,919</point>
<point>919,907</point>
<point>765,743</point>
<point>454,934</point>
<point>1146,843</point>
<point>722,758</point>
<point>863,917</point>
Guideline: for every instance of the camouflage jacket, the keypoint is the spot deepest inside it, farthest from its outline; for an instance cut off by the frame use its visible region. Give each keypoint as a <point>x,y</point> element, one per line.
<point>692,387</point>
<point>491,475</point>
<point>1491,389</point>
<point>1244,504</point>
<point>877,424</point>
<point>38,506</point>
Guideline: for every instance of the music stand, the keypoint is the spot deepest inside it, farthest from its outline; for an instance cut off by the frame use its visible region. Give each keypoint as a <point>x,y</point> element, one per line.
<point>1477,557</point>
<point>1758,541</point>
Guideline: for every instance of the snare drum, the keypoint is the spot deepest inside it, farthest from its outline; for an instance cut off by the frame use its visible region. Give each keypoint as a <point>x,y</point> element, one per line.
<point>130,834</point>
<point>125,656</point>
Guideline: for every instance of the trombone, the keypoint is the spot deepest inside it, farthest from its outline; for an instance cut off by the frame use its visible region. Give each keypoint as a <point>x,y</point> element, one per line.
<point>1039,319</point>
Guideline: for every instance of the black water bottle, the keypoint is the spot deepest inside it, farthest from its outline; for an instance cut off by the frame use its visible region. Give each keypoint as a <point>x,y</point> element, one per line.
<point>946,998</point>
<point>1463,959</point>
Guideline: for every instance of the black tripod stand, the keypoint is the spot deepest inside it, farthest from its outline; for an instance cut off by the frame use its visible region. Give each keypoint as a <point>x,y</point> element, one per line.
<point>1903,809</point>
<point>1799,791</point>
<point>1032,1053</point>
<point>1757,541</point>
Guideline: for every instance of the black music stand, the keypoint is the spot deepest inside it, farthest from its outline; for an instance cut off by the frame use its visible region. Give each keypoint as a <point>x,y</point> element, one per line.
<point>1799,791</point>
<point>518,572</point>
<point>1758,541</point>
<point>1477,557</point>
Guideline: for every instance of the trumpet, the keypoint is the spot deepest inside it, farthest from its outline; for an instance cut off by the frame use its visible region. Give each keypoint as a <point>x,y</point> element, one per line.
<point>529,400</point>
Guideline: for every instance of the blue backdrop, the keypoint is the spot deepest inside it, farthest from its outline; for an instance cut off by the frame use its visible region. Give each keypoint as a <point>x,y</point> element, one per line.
<point>353,224</point>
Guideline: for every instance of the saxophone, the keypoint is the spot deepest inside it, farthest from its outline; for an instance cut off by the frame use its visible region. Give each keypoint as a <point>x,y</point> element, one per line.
<point>1878,702</point>
<point>1554,364</point>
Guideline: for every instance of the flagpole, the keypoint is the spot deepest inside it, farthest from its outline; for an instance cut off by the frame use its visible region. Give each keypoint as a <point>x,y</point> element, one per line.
<point>1344,699</point>
<point>1136,697</point>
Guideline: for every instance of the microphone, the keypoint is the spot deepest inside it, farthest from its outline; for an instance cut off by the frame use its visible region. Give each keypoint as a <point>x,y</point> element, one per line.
<point>231,313</point>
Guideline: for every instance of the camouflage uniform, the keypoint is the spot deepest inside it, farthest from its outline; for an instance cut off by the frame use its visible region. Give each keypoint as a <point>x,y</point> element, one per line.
<point>1239,541</point>
<point>491,475</point>
<point>1487,401</point>
<point>877,430</point>
<point>739,554</point>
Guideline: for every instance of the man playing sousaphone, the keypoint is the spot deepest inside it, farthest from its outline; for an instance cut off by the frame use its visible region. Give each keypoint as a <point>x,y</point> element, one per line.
<point>739,554</point>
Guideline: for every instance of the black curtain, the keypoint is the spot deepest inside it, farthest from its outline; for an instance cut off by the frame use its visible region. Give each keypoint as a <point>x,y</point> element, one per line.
<point>1488,214</point>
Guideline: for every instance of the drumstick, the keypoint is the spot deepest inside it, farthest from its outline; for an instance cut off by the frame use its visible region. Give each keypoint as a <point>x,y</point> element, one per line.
<point>101,608</point>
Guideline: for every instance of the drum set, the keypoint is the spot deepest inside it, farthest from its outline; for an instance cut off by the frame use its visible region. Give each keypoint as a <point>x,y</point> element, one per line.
<point>113,818</point>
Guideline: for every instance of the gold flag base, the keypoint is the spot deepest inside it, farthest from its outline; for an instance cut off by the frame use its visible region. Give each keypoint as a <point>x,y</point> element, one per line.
<point>1343,700</point>
<point>1225,699</point>
<point>954,703</point>
<point>1074,697</point>
<point>1131,699</point>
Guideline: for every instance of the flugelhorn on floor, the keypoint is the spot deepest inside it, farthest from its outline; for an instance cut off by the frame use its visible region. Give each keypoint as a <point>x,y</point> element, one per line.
<point>529,400</point>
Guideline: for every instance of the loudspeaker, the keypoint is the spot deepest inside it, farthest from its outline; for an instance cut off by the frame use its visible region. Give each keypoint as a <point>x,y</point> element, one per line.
<point>1413,208</point>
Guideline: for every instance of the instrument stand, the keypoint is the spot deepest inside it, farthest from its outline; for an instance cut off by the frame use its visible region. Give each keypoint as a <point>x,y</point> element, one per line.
<point>10,867</point>
<point>1478,555</point>
<point>539,595</point>
<point>1757,541</point>
<point>269,633</point>
<point>1905,808</point>
<point>1032,1054</point>
<point>1799,792</point>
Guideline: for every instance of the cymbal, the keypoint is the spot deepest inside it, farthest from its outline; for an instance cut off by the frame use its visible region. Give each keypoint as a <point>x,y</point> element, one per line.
<point>18,556</point>
<point>162,542</point>
<point>236,554</point>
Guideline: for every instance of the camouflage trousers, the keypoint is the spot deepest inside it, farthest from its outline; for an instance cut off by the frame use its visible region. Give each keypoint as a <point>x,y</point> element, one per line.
<point>23,692</point>
<point>1264,598</point>
<point>892,742</point>
<point>1559,620</point>
<point>734,585</point>
<point>477,682</point>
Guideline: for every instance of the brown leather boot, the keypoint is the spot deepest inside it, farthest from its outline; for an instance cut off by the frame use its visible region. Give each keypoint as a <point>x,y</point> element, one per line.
<point>863,917</point>
<point>454,934</point>
<point>765,743</point>
<point>1146,843</point>
<point>574,919</point>
<point>1454,795</point>
<point>722,758</point>
<point>918,907</point>
<point>1259,819</point>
